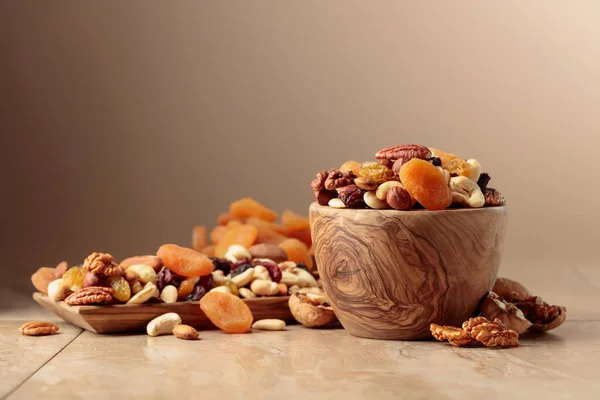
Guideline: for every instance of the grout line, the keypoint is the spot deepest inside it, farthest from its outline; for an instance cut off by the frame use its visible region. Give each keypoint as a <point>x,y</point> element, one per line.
<point>11,392</point>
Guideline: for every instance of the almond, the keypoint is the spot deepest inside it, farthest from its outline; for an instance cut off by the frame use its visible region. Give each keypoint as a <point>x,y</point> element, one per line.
<point>185,332</point>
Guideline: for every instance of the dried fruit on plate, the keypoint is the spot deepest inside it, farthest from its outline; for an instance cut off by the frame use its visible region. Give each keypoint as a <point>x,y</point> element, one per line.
<point>227,312</point>
<point>184,261</point>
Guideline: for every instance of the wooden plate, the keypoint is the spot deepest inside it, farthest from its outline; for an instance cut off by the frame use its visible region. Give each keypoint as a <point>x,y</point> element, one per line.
<point>126,318</point>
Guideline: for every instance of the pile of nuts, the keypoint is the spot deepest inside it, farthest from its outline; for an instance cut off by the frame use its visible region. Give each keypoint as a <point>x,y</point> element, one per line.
<point>508,311</point>
<point>406,177</point>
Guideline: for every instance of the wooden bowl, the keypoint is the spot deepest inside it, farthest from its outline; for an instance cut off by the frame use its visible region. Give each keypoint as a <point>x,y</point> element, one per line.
<point>390,274</point>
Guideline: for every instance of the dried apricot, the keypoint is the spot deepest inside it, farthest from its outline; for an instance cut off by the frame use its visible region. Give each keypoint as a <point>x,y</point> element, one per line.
<point>426,184</point>
<point>293,222</point>
<point>217,234</point>
<point>244,235</point>
<point>303,236</point>
<point>224,218</point>
<point>184,261</point>
<point>121,288</point>
<point>42,278</point>
<point>227,312</point>
<point>248,207</point>
<point>199,238</point>
<point>297,252</point>
<point>375,171</point>
<point>456,166</point>
<point>73,278</point>
<point>209,250</point>
<point>350,166</point>
<point>267,232</point>
<point>442,155</point>
<point>233,224</point>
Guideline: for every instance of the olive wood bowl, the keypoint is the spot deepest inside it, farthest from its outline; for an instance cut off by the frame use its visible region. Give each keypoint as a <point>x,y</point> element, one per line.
<point>390,274</point>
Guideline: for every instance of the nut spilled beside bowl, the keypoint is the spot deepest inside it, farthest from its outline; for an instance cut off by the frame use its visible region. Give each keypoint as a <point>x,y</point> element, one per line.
<point>389,274</point>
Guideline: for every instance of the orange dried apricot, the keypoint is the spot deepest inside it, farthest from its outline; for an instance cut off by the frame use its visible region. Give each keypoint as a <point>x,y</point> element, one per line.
<point>210,250</point>
<point>227,312</point>
<point>297,252</point>
<point>456,166</point>
<point>244,235</point>
<point>303,236</point>
<point>233,224</point>
<point>217,234</point>
<point>184,261</point>
<point>267,232</point>
<point>248,207</point>
<point>426,184</point>
<point>293,222</point>
<point>42,278</point>
<point>350,166</point>
<point>224,218</point>
<point>199,238</point>
<point>442,155</point>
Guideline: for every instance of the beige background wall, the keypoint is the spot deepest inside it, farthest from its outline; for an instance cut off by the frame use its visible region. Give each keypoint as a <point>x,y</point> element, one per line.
<point>123,125</point>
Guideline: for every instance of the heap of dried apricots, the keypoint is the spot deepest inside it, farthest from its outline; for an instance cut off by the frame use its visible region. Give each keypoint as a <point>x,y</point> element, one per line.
<point>405,177</point>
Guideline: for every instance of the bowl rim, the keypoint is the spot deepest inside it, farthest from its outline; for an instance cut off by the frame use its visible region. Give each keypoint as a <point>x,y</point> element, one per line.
<point>315,205</point>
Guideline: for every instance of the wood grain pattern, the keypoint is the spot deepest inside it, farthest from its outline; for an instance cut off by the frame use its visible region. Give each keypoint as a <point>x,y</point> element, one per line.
<point>390,274</point>
<point>129,318</point>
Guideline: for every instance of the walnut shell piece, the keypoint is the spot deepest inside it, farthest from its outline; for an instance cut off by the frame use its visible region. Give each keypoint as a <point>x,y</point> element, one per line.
<point>309,312</point>
<point>493,307</point>
<point>91,295</point>
<point>542,315</point>
<point>510,290</point>
<point>102,263</point>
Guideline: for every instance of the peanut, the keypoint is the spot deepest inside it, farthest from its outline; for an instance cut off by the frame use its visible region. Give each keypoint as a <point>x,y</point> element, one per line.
<point>264,288</point>
<point>260,272</point>
<point>269,325</point>
<point>223,289</point>
<point>246,293</point>
<point>169,294</point>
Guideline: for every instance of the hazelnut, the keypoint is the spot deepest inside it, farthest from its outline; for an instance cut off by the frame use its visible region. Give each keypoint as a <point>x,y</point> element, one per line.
<point>510,290</point>
<point>398,198</point>
<point>92,279</point>
<point>365,183</point>
<point>311,312</point>
<point>494,307</point>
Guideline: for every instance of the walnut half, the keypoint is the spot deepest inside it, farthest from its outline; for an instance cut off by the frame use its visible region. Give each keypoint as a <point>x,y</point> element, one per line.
<point>494,307</point>
<point>311,309</point>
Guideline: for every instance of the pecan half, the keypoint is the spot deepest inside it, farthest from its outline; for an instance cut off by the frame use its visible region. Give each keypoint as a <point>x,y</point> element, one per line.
<point>91,295</point>
<point>542,315</point>
<point>493,197</point>
<point>405,151</point>
<point>337,179</point>
<point>455,336</point>
<point>38,328</point>
<point>102,263</point>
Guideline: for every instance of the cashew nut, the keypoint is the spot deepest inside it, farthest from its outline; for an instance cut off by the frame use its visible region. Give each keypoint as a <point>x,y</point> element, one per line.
<point>284,266</point>
<point>219,277</point>
<point>146,273</point>
<point>260,272</point>
<point>246,293</point>
<point>298,276</point>
<point>149,291</point>
<point>382,190</point>
<point>244,278</point>
<point>294,289</point>
<point>236,253</point>
<point>136,287</point>
<point>310,290</point>
<point>475,169</point>
<point>223,289</point>
<point>336,203</point>
<point>372,201</point>
<point>169,294</point>
<point>163,324</point>
<point>283,289</point>
<point>269,325</point>
<point>57,290</point>
<point>446,174</point>
<point>466,191</point>
<point>264,288</point>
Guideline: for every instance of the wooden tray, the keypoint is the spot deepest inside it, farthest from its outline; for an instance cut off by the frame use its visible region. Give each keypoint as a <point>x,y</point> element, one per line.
<point>126,318</point>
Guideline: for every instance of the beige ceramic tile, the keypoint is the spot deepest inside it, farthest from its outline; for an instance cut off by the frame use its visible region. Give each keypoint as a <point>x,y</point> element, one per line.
<point>318,364</point>
<point>21,356</point>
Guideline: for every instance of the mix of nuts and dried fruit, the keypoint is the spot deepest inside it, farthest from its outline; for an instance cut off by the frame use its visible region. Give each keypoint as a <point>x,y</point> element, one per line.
<point>405,177</point>
<point>250,256</point>
<point>507,311</point>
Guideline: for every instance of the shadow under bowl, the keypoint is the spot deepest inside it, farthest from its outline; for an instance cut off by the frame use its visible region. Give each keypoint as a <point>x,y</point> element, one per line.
<point>390,274</point>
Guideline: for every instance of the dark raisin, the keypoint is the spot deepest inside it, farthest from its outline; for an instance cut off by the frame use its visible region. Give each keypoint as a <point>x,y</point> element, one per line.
<point>167,277</point>
<point>436,161</point>
<point>302,266</point>
<point>221,264</point>
<point>240,269</point>
<point>196,294</point>
<point>238,264</point>
<point>352,196</point>
<point>483,180</point>
<point>206,282</point>
<point>274,272</point>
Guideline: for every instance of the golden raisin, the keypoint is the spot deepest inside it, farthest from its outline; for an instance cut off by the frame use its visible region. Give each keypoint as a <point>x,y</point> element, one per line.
<point>121,288</point>
<point>457,166</point>
<point>73,278</point>
<point>376,172</point>
<point>350,166</point>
